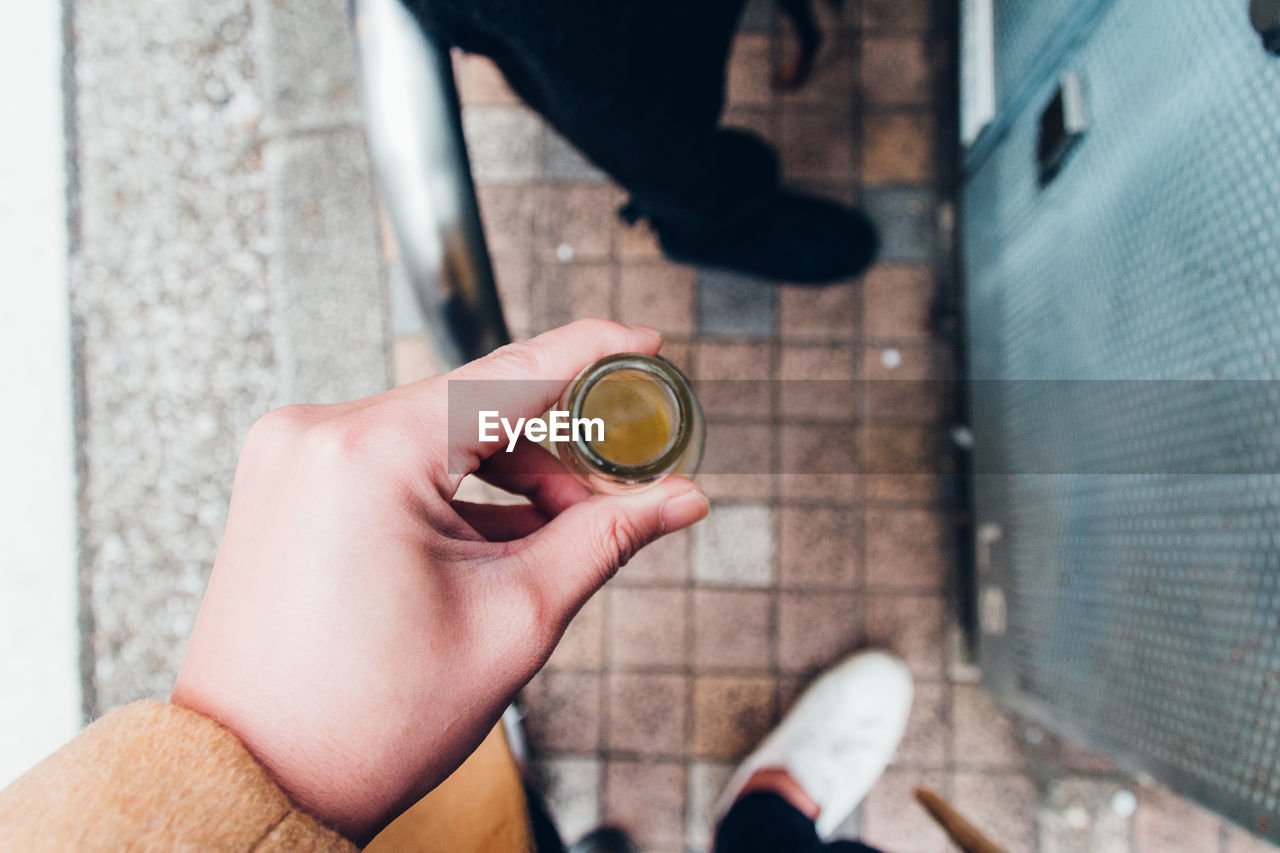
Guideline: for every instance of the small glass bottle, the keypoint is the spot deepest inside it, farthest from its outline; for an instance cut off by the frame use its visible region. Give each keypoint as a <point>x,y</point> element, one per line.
<point>653,423</point>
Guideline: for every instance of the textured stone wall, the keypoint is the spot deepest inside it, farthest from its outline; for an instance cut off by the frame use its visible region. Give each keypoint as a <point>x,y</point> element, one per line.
<point>225,260</point>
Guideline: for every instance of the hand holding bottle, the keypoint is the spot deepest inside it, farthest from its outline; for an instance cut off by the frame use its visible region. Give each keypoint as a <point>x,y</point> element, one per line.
<point>362,630</point>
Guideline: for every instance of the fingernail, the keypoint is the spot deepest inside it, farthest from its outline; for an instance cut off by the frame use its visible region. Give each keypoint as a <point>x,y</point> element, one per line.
<point>684,510</point>
<point>648,330</point>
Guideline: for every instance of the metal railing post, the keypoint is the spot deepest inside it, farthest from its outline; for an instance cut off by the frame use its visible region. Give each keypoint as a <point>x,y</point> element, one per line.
<point>414,125</point>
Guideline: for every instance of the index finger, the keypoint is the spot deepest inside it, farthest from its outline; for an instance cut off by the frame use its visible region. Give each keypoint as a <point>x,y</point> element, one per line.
<point>523,380</point>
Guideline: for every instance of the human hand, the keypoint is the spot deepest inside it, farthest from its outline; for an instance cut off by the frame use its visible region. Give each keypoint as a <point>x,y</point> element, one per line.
<point>362,630</point>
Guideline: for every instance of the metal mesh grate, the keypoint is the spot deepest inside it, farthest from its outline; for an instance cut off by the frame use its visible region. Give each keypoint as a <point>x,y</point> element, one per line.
<point>1143,608</point>
<point>1022,29</point>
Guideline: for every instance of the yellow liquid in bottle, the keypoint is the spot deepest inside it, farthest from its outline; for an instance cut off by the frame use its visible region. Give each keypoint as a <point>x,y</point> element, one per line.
<point>639,415</point>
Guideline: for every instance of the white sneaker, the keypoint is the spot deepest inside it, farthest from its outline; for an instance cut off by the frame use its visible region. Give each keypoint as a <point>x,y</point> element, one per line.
<point>839,737</point>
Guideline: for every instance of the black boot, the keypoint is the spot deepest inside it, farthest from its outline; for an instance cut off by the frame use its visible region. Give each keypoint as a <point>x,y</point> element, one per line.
<point>787,236</point>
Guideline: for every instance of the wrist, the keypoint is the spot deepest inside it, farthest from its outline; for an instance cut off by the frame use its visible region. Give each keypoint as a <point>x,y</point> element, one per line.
<point>320,782</point>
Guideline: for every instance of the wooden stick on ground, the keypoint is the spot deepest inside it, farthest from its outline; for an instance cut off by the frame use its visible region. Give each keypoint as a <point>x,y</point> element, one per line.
<point>965,835</point>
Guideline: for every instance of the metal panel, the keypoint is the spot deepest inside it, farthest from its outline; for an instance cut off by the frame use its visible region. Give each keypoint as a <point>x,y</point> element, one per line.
<point>1030,38</point>
<point>1023,31</point>
<point>1131,531</point>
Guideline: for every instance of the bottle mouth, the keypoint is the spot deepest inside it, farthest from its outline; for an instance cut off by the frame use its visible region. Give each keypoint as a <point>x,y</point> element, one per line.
<point>647,408</point>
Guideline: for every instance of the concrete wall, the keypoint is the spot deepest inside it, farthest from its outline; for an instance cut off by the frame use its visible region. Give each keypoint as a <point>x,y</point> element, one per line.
<point>225,259</point>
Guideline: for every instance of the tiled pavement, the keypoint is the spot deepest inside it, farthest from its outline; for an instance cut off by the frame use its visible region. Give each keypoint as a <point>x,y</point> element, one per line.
<point>674,671</point>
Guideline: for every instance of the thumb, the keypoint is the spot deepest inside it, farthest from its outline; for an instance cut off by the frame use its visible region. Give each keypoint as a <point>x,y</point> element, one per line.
<point>572,556</point>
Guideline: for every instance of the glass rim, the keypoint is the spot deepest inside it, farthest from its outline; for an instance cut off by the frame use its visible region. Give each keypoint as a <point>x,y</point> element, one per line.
<point>671,378</point>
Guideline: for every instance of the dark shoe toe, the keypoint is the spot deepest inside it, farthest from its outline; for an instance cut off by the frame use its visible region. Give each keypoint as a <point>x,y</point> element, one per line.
<point>792,237</point>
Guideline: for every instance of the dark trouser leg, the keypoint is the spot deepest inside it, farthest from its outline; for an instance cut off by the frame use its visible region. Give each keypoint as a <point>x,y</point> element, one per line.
<point>763,822</point>
<point>546,838</point>
<point>637,85</point>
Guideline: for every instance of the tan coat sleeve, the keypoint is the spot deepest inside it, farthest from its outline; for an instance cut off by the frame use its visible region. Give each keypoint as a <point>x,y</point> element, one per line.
<point>152,776</point>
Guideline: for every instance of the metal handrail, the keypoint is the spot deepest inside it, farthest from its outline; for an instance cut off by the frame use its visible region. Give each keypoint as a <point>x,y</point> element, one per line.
<point>414,126</point>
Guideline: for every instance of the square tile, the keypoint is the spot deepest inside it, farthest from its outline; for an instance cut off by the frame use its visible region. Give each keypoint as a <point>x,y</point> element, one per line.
<point>904,464</point>
<point>733,378</point>
<point>897,301</point>
<point>762,121</point>
<point>816,629</point>
<point>925,743</point>
<point>737,360</point>
<point>562,293</point>
<point>1003,806</point>
<point>707,781</point>
<point>646,799</point>
<point>738,461</point>
<point>896,69</point>
<point>504,143</point>
<point>731,714</point>
<point>749,78</point>
<point>570,787</point>
<point>899,397</point>
<point>891,818</point>
<point>562,712</point>
<point>734,305</point>
<point>910,401</point>
<point>732,629</point>
<point>819,547</point>
<point>985,736</point>
<point>834,80</point>
<point>920,489</point>
<point>904,385</point>
<point>663,561</point>
<point>1081,759</point>
<point>819,462</point>
<point>901,363</point>
<point>575,222</point>
<point>561,161</point>
<point>1167,823</point>
<point>908,221</point>
<point>646,627</point>
<point>514,279</point>
<point>582,645</point>
<point>825,361</point>
<point>818,312</point>
<point>897,148</point>
<point>1076,817</point>
<point>791,686</point>
<point>507,212</point>
<point>637,242</point>
<point>734,546</point>
<point>817,382</point>
<point>913,626</point>
<point>907,549</point>
<point>646,714</point>
<point>897,14</point>
<point>679,353</point>
<point>817,143</point>
<point>659,294</point>
<point>480,81</point>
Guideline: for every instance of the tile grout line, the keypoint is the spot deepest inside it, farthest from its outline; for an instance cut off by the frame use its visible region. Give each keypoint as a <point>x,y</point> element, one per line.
<point>690,640</point>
